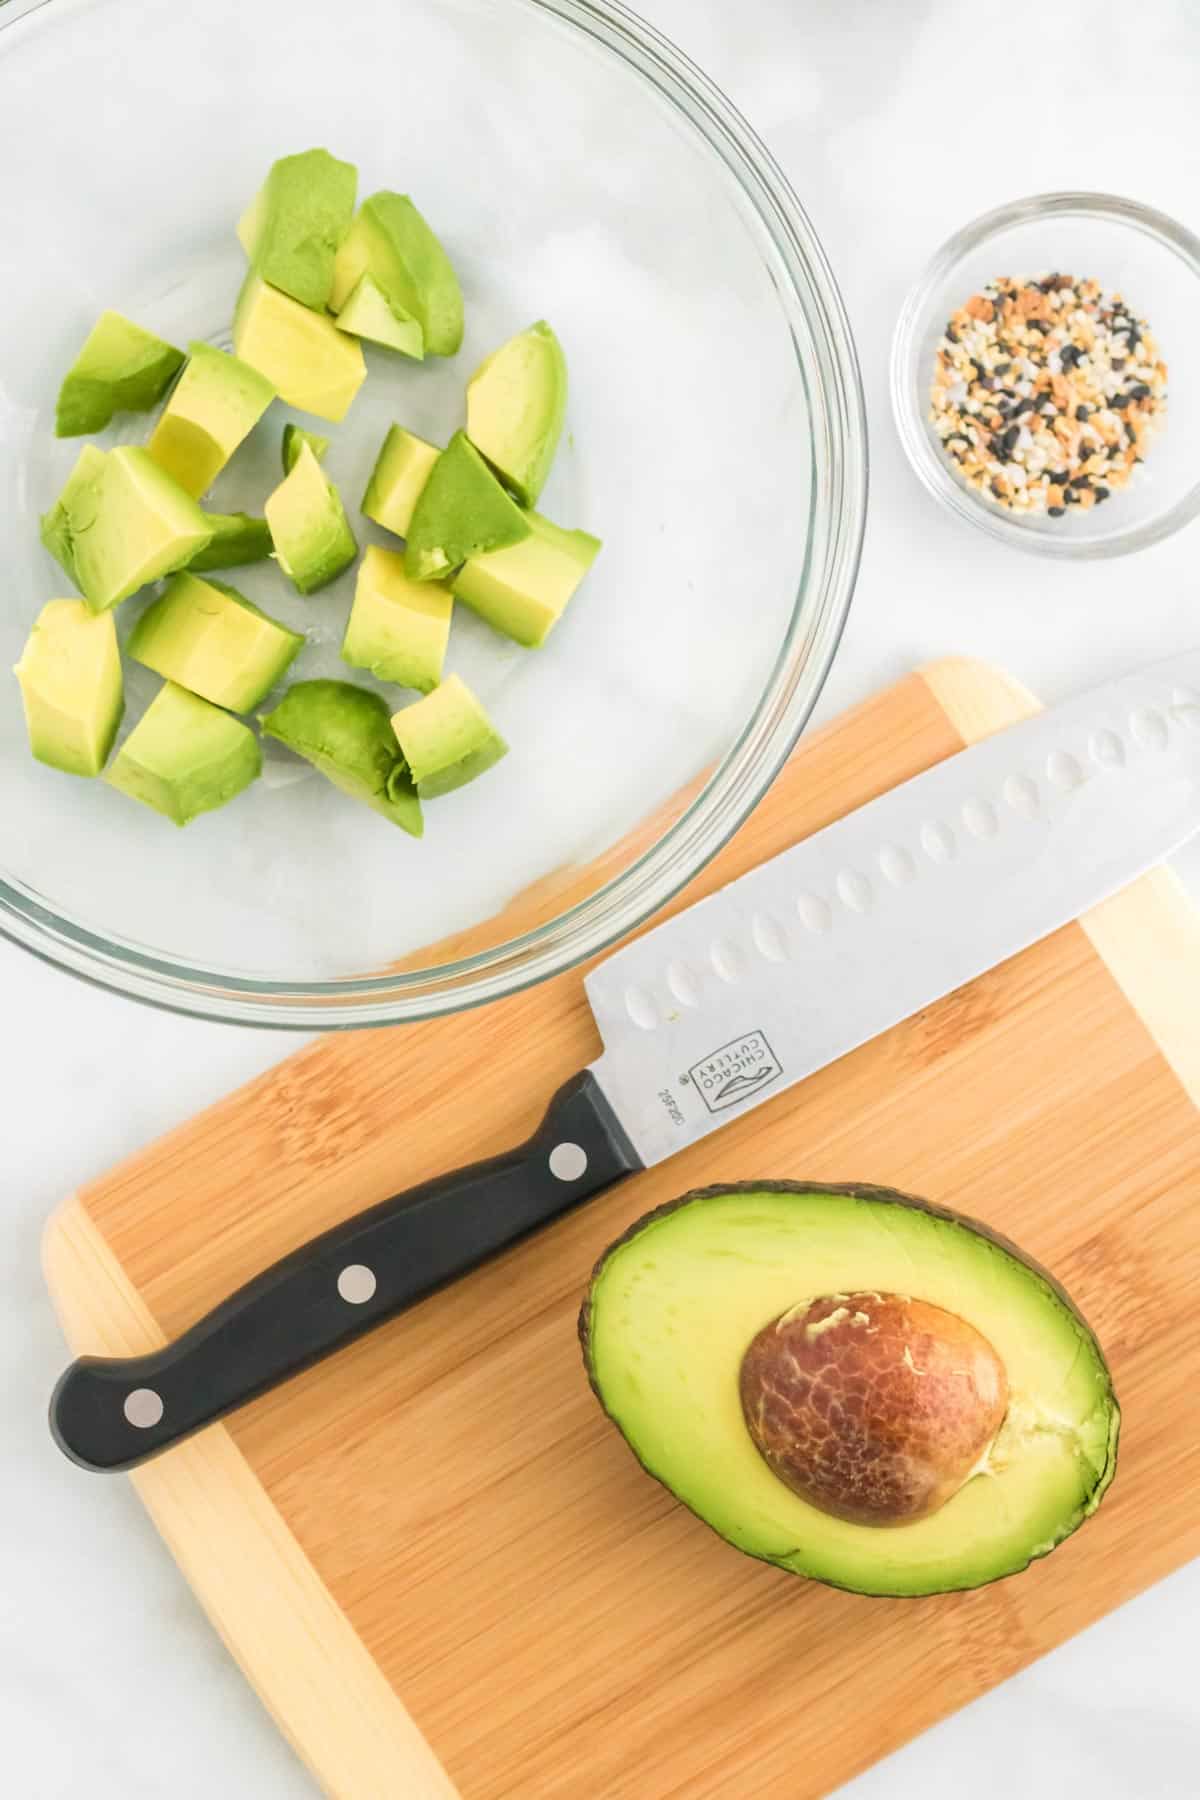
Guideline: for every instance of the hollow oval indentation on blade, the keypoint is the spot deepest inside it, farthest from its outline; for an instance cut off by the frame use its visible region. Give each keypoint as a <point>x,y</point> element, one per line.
<point>897,865</point>
<point>684,983</point>
<point>1185,708</point>
<point>814,913</point>
<point>728,961</point>
<point>1106,750</point>
<point>769,937</point>
<point>1065,770</point>
<point>1149,728</point>
<point>1021,793</point>
<point>980,818</point>
<point>938,842</point>
<point>855,891</point>
<point>641,1008</point>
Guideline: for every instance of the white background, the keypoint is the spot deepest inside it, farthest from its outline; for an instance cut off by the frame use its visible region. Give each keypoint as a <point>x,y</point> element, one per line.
<point>896,120</point>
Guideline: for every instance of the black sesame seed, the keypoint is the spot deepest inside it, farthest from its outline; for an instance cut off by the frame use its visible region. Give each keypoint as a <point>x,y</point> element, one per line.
<point>998,489</point>
<point>1042,325</point>
<point>1056,512</point>
<point>1139,391</point>
<point>1058,477</point>
<point>1101,493</point>
<point>1071,497</point>
<point>952,334</point>
<point>1118,362</point>
<point>1083,414</point>
<point>1002,368</point>
<point>1009,440</point>
<point>1069,355</point>
<point>1120,401</point>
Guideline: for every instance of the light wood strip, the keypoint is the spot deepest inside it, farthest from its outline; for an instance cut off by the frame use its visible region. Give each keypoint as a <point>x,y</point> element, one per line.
<point>266,1600</point>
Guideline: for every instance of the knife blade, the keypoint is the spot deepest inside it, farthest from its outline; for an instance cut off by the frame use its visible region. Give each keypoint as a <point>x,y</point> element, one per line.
<point>720,1009</point>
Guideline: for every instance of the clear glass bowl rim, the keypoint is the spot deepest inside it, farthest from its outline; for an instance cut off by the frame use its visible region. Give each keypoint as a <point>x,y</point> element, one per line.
<point>932,470</point>
<point>837,418</point>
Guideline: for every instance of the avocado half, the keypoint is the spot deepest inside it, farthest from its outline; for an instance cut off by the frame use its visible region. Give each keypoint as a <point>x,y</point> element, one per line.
<point>676,1302</point>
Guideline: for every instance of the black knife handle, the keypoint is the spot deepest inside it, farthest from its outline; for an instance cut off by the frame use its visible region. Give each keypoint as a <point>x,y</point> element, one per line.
<point>114,1412</point>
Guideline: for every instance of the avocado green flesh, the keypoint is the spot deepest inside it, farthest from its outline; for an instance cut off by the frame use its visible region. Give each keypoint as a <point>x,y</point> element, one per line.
<point>401,470</point>
<point>344,732</point>
<point>292,229</point>
<point>673,1307</point>
<point>210,639</point>
<point>294,439</point>
<point>516,405</point>
<point>369,313</point>
<point>185,757</point>
<point>216,403</point>
<point>462,512</point>
<point>71,688</point>
<point>309,528</point>
<point>237,539</point>
<point>523,589</point>
<point>390,241</point>
<point>120,368</point>
<point>447,739</point>
<point>121,522</point>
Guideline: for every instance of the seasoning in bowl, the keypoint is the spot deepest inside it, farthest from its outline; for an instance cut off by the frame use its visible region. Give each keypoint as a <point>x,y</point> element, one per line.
<point>1046,392</point>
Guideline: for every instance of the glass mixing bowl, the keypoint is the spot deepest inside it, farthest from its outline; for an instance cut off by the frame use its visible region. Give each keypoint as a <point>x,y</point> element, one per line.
<point>580,169</point>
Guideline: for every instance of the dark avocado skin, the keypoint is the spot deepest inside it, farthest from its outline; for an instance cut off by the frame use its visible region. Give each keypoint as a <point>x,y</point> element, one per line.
<point>854,1191</point>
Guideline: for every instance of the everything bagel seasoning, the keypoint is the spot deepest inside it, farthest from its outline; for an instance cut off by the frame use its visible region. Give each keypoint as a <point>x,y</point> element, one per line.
<point>1046,392</point>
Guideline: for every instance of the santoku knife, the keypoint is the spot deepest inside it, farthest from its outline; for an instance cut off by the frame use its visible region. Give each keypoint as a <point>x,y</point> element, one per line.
<point>718,1010</point>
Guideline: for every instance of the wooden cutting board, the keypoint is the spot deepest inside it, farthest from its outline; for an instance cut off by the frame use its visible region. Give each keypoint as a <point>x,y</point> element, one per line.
<point>444,1572</point>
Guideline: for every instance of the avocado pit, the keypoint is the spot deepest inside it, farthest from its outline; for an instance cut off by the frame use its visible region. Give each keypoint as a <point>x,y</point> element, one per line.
<point>874,1408</point>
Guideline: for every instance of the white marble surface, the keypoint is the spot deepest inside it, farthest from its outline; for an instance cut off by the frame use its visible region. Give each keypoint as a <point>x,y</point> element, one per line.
<point>896,122</point>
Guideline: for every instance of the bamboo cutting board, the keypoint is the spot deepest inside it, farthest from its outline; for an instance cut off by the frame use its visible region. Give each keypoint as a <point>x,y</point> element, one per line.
<point>444,1572</point>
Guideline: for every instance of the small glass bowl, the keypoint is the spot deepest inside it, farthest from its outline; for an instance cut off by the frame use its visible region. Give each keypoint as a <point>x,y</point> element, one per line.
<point>1155,265</point>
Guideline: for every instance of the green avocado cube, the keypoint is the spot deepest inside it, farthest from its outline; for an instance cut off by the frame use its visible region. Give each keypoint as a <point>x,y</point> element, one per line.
<point>293,437</point>
<point>516,405</point>
<point>208,638</point>
<point>237,538</point>
<point>523,589</point>
<point>121,522</point>
<point>185,756</point>
<point>314,366</point>
<point>344,732</point>
<point>462,512</point>
<point>368,313</point>
<point>216,404</point>
<point>309,527</point>
<point>392,242</point>
<point>70,676</point>
<point>121,368</point>
<point>401,470</point>
<point>398,628</point>
<point>292,229</point>
<point>447,738</point>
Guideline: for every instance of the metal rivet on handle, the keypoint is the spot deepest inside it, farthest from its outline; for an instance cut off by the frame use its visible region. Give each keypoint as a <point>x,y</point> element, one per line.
<point>356,1284</point>
<point>568,1162</point>
<point>143,1408</point>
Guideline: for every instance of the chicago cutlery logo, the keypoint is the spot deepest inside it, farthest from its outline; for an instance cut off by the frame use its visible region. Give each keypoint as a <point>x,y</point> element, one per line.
<point>736,1072</point>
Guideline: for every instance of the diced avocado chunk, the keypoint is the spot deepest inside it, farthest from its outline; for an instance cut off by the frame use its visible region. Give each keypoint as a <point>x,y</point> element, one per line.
<point>185,756</point>
<point>516,404</point>
<point>121,522</point>
<point>121,368</point>
<point>368,313</point>
<point>401,470</point>
<point>292,229</point>
<point>523,589</point>
<point>309,527</point>
<point>391,241</point>
<point>398,628</point>
<point>312,364</point>
<point>70,676</point>
<point>210,639</point>
<point>78,498</point>
<point>462,512</point>
<point>447,738</point>
<point>293,437</point>
<point>217,402</point>
<point>344,731</point>
<point>237,538</point>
